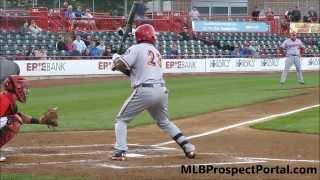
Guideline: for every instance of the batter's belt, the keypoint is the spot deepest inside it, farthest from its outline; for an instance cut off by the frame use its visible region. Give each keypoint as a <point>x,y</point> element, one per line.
<point>150,85</point>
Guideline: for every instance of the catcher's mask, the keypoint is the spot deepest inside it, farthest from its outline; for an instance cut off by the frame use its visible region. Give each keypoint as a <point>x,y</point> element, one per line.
<point>17,85</point>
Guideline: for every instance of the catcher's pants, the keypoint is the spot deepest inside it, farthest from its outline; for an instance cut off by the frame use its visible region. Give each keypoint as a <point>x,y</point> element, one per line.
<point>9,131</point>
<point>154,99</point>
<point>289,62</point>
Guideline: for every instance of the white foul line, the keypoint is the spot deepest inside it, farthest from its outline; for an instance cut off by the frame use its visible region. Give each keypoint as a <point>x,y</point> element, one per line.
<point>283,160</point>
<point>241,124</point>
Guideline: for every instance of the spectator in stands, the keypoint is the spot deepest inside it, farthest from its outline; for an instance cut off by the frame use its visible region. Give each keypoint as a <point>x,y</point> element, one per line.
<point>269,15</point>
<point>140,10</point>
<point>236,51</point>
<point>288,14</point>
<point>285,26</point>
<point>247,50</point>
<point>78,13</point>
<point>69,13</point>
<point>93,51</point>
<point>173,51</point>
<point>87,40</point>
<point>71,47</point>
<point>185,35</point>
<point>89,20</point>
<point>255,14</point>
<point>312,15</point>
<point>296,15</point>
<point>51,12</point>
<point>194,14</point>
<point>80,45</point>
<point>279,53</point>
<point>208,39</point>
<point>61,45</point>
<point>263,53</point>
<point>34,28</point>
<point>101,46</point>
<point>40,54</point>
<point>65,5</point>
<point>25,28</point>
<point>108,51</point>
<point>30,52</point>
<point>20,55</point>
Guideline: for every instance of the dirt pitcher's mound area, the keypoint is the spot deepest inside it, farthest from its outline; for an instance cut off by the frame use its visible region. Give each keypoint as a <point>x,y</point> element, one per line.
<point>153,155</point>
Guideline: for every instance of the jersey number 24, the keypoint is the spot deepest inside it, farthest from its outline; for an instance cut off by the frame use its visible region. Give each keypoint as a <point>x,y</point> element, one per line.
<point>154,60</point>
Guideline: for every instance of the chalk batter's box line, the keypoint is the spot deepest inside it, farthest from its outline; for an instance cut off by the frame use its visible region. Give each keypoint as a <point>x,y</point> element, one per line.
<point>102,163</point>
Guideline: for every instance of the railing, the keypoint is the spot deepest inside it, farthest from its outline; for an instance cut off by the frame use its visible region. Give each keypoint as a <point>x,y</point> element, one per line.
<point>165,21</point>
<point>54,20</point>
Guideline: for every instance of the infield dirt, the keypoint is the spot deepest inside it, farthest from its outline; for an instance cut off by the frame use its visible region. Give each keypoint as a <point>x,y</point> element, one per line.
<point>86,153</point>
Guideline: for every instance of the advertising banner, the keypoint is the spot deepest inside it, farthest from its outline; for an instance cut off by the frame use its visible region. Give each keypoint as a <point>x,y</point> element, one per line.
<point>305,27</point>
<point>216,26</point>
<point>65,67</point>
<point>183,65</point>
<point>103,67</point>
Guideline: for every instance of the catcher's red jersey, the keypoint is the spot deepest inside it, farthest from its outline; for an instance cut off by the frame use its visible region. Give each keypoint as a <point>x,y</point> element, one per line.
<point>8,108</point>
<point>7,104</point>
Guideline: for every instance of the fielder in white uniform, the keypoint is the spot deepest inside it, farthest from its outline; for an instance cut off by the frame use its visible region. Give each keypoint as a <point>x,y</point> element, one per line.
<point>293,47</point>
<point>142,62</point>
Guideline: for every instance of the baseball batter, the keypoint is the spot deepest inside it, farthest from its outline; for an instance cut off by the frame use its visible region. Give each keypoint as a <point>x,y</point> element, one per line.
<point>143,62</point>
<point>16,89</point>
<point>293,46</point>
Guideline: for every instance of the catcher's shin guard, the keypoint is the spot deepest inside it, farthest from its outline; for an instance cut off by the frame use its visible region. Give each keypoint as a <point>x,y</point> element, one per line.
<point>9,131</point>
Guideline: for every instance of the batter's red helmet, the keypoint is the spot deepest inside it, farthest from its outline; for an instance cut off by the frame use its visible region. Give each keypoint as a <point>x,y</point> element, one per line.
<point>145,33</point>
<point>17,85</point>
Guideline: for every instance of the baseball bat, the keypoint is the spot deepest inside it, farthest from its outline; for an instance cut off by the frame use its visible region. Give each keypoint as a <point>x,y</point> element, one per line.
<point>128,27</point>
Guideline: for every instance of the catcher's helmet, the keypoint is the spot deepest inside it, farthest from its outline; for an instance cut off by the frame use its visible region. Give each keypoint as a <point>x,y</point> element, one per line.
<point>17,85</point>
<point>145,33</point>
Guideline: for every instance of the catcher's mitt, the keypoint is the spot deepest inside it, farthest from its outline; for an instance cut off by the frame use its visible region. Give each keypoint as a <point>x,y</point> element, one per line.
<point>50,117</point>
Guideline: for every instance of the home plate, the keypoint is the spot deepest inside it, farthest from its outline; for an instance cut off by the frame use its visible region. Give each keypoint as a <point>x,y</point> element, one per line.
<point>134,155</point>
<point>2,159</point>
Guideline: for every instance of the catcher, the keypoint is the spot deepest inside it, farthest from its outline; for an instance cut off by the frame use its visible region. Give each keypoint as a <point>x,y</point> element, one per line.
<point>16,89</point>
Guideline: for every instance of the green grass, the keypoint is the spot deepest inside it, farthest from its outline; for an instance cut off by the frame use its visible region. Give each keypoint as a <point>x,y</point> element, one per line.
<point>31,177</point>
<point>94,106</point>
<point>303,122</point>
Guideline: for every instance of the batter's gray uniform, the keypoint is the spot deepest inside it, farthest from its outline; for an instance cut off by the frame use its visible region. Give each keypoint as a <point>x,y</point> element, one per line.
<point>293,57</point>
<point>150,93</point>
<point>7,68</point>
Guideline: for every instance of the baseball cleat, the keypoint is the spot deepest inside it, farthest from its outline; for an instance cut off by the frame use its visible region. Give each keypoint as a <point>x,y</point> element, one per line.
<point>189,151</point>
<point>2,159</point>
<point>119,156</point>
<point>190,155</point>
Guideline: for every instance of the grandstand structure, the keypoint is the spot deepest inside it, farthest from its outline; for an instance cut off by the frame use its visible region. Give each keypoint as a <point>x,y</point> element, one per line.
<point>169,18</point>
